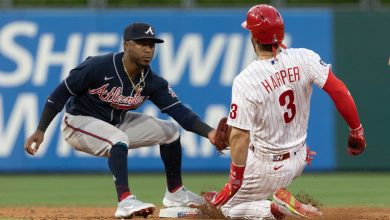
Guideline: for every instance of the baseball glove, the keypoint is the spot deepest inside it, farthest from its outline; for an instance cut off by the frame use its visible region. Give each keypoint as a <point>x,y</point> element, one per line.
<point>222,135</point>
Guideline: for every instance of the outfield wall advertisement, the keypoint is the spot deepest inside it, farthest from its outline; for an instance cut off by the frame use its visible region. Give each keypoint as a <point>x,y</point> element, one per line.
<point>202,53</point>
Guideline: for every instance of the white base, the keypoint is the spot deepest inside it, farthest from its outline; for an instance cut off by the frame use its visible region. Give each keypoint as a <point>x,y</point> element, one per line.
<point>178,212</point>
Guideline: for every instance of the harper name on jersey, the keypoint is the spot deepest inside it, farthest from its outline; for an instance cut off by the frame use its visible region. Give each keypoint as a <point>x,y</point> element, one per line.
<point>281,78</point>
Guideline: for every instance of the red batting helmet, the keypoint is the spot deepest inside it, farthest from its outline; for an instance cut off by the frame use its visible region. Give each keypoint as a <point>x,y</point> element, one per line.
<point>265,24</point>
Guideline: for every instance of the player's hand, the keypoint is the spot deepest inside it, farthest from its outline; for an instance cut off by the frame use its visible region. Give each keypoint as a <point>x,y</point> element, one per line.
<point>309,155</point>
<point>230,188</point>
<point>33,142</point>
<point>356,141</point>
<point>211,136</point>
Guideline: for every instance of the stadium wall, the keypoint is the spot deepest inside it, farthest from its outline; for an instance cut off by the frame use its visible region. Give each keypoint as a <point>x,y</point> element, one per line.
<point>362,60</point>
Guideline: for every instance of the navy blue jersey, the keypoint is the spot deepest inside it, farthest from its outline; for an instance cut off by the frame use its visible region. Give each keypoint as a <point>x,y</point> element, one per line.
<point>100,88</point>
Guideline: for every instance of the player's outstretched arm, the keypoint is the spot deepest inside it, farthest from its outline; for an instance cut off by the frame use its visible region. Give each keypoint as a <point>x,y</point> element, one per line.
<point>347,108</point>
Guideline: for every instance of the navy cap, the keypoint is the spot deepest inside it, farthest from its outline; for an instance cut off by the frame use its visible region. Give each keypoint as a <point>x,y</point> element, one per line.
<point>139,31</point>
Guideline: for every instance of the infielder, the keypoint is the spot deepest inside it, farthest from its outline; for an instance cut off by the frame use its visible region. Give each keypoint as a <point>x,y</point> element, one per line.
<point>99,94</point>
<point>268,118</point>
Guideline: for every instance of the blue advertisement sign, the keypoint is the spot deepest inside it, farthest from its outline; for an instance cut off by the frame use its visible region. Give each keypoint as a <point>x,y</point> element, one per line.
<point>203,51</point>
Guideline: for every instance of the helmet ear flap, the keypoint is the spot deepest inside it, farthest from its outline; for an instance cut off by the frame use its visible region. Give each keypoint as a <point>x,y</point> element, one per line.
<point>265,23</point>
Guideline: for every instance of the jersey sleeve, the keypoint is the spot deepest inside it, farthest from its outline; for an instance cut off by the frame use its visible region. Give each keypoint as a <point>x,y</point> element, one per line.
<point>164,97</point>
<point>242,109</point>
<point>317,69</point>
<point>80,78</point>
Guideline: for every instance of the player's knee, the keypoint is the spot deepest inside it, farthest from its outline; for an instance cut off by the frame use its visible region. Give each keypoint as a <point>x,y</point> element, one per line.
<point>172,132</point>
<point>121,139</point>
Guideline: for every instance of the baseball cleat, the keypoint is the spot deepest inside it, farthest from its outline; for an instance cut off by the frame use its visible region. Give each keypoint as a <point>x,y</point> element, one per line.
<point>289,205</point>
<point>130,207</point>
<point>144,212</point>
<point>182,197</point>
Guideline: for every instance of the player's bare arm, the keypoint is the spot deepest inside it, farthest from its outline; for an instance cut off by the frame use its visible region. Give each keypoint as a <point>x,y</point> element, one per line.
<point>239,143</point>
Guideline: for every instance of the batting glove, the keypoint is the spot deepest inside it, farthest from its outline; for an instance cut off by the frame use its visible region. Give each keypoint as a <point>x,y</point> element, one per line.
<point>356,141</point>
<point>230,188</point>
<point>309,155</point>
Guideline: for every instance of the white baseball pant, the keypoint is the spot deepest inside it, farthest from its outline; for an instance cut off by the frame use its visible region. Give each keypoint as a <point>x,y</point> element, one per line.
<point>264,174</point>
<point>96,137</point>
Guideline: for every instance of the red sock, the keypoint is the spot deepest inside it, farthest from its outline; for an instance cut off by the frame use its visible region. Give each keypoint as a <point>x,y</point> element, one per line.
<point>124,196</point>
<point>175,189</point>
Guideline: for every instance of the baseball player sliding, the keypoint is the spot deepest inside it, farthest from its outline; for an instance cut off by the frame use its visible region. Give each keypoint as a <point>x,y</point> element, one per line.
<point>99,94</point>
<point>268,122</point>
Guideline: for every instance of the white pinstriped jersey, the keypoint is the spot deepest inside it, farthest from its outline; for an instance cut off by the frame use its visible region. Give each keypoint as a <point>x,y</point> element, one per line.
<point>272,98</point>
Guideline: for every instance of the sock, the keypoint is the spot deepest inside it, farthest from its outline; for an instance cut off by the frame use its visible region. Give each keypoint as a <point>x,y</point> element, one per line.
<point>117,161</point>
<point>171,156</point>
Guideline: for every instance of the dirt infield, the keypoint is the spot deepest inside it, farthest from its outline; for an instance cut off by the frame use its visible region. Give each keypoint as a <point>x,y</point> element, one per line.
<point>339,213</point>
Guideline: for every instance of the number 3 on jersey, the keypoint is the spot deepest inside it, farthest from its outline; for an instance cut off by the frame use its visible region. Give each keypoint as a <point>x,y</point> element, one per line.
<point>288,117</point>
<point>233,111</point>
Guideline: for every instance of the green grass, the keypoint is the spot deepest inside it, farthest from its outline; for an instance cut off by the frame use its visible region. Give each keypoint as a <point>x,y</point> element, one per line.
<point>90,189</point>
<point>335,189</point>
<point>351,189</point>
